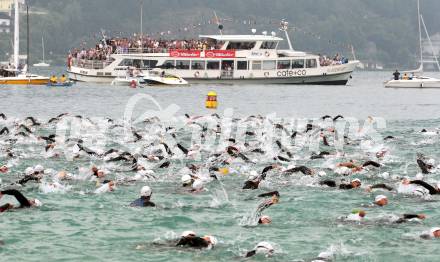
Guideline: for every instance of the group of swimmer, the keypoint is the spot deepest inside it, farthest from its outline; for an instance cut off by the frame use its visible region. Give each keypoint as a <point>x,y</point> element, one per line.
<point>161,149</point>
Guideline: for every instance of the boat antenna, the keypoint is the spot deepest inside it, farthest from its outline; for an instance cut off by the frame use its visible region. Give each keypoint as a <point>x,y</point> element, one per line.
<point>220,26</point>
<point>142,14</point>
<point>28,40</point>
<point>420,36</point>
<point>104,37</point>
<point>285,27</point>
<point>16,35</point>
<point>430,42</point>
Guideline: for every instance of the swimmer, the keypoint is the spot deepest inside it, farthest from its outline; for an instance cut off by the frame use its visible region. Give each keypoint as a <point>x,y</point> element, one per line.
<point>303,169</point>
<point>355,216</point>
<point>144,200</point>
<point>22,200</point>
<point>4,169</point>
<point>253,180</point>
<point>434,233</point>
<point>190,239</point>
<point>264,248</point>
<point>381,200</point>
<point>264,220</point>
<point>187,181</point>
<point>355,183</point>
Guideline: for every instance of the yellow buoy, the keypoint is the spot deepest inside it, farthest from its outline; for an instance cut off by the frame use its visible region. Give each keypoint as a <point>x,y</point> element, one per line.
<point>211,100</point>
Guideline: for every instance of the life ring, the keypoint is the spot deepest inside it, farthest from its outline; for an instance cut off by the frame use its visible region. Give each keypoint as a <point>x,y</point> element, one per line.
<point>267,54</point>
<point>197,74</point>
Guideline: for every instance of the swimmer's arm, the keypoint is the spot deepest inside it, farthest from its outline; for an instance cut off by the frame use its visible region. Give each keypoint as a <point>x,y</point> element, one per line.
<point>329,183</point>
<point>5,207</point>
<point>24,202</point>
<point>270,194</point>
<point>251,253</point>
<point>431,189</point>
<point>384,186</point>
<point>26,179</point>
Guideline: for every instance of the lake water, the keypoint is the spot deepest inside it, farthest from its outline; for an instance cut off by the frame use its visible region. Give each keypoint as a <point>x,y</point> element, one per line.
<point>80,226</point>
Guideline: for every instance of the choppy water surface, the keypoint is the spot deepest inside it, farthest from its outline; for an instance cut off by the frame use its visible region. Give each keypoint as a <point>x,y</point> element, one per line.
<point>79,225</point>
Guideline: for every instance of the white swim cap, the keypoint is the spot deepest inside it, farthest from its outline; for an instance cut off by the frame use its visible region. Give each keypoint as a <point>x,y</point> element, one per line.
<point>37,203</point>
<point>322,173</point>
<point>379,198</point>
<point>186,179</point>
<point>356,180</point>
<point>146,191</point>
<point>188,233</point>
<point>29,171</point>
<point>253,175</point>
<point>419,176</point>
<point>433,230</point>
<point>197,185</point>
<point>264,247</point>
<point>212,240</point>
<point>39,168</point>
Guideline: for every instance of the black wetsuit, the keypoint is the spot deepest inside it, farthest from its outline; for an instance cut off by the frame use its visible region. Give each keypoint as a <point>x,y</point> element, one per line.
<point>196,242</point>
<point>142,202</point>
<point>405,218</point>
<point>432,190</point>
<point>396,75</point>
<point>423,166</point>
<point>24,202</point>
<point>28,178</point>
<point>383,186</point>
<point>371,163</point>
<point>332,183</point>
<point>303,169</point>
<point>251,184</point>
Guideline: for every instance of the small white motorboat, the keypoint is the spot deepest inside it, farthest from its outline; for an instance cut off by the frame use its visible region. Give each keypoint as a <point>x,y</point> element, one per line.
<point>416,82</point>
<point>156,77</point>
<point>128,81</point>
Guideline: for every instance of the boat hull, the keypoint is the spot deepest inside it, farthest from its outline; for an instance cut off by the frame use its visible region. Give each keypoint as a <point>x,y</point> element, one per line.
<point>24,81</point>
<point>333,79</point>
<point>415,83</point>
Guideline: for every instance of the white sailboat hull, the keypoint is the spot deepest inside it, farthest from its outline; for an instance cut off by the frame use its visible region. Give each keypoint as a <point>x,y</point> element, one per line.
<point>415,83</point>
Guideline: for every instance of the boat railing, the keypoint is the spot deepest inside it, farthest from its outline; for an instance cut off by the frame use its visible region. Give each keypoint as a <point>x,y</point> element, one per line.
<point>141,50</point>
<point>90,64</point>
<point>227,74</point>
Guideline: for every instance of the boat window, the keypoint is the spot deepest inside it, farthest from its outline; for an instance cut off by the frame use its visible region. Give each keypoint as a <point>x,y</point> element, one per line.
<point>256,65</point>
<point>213,65</point>
<point>198,65</point>
<point>283,64</point>
<point>311,63</point>
<point>297,63</point>
<point>168,64</point>
<point>240,45</point>
<point>269,45</point>
<point>150,63</point>
<point>269,65</point>
<point>242,65</point>
<point>182,64</point>
<point>126,62</point>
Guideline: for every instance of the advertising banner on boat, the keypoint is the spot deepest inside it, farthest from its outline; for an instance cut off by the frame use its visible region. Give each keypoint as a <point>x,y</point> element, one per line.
<point>220,54</point>
<point>185,53</point>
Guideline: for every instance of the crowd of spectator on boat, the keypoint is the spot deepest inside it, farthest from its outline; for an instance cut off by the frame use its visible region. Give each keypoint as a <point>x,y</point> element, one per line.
<point>105,48</point>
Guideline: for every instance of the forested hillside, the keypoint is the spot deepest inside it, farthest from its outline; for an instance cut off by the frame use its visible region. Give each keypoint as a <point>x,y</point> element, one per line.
<point>380,30</point>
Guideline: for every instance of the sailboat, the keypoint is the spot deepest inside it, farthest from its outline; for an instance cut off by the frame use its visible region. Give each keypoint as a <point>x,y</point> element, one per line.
<point>42,63</point>
<point>14,75</point>
<point>416,78</point>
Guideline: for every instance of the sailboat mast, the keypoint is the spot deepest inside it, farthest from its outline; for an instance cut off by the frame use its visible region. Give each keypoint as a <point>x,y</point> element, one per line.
<point>28,40</point>
<point>42,44</point>
<point>16,34</point>
<point>420,34</point>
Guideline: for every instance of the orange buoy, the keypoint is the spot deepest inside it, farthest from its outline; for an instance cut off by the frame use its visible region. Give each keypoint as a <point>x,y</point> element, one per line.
<point>211,100</point>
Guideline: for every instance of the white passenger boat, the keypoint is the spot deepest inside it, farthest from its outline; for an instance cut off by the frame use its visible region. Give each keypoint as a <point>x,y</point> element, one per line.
<point>248,59</point>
